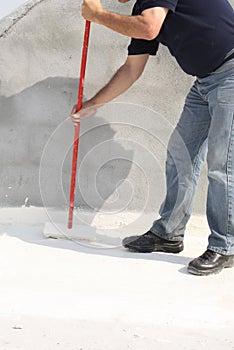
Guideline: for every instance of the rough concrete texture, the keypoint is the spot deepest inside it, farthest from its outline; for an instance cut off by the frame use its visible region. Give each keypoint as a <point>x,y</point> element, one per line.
<point>122,148</point>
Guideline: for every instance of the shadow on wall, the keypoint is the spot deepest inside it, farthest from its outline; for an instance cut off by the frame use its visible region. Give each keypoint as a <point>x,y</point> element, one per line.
<point>34,123</point>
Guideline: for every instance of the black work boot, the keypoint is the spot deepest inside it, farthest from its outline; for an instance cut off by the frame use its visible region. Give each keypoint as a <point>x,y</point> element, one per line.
<point>210,262</point>
<point>149,242</point>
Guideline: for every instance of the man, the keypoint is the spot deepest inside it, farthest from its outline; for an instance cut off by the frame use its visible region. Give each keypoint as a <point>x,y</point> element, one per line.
<point>200,35</point>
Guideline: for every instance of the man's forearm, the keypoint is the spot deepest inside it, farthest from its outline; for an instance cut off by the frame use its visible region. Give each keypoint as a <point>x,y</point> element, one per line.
<point>132,26</point>
<point>144,26</point>
<point>126,75</point>
<point>120,82</point>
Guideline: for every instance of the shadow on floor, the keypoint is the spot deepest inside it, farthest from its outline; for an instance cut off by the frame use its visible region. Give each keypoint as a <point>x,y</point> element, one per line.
<point>34,235</point>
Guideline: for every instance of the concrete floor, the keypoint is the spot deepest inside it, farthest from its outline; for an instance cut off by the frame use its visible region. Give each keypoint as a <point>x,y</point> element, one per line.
<point>60,294</point>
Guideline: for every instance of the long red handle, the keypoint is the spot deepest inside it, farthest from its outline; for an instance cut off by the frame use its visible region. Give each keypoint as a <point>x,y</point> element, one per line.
<point>77,128</point>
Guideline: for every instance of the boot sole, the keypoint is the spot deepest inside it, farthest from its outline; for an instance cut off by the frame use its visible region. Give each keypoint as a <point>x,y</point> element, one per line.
<point>173,250</point>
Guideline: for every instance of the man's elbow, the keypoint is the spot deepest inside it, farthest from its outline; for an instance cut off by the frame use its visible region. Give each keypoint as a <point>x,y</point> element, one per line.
<point>150,33</point>
<point>152,20</point>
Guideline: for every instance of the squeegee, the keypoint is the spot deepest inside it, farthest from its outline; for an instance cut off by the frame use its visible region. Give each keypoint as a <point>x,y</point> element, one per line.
<point>57,230</point>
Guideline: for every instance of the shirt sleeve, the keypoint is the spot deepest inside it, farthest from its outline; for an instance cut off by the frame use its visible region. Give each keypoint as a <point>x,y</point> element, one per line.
<point>141,46</point>
<point>147,4</point>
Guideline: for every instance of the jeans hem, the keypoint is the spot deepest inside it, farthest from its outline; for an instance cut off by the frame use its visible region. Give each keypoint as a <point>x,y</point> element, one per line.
<point>166,236</point>
<point>222,251</point>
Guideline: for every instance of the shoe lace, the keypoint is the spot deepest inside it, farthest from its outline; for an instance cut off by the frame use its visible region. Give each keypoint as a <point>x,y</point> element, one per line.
<point>146,236</point>
<point>149,234</point>
<point>207,255</point>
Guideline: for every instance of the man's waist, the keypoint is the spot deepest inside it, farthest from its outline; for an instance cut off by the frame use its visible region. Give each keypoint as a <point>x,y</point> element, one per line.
<point>226,59</point>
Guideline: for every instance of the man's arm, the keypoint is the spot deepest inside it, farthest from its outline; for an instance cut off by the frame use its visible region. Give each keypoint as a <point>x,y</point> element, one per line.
<point>145,26</point>
<point>126,75</point>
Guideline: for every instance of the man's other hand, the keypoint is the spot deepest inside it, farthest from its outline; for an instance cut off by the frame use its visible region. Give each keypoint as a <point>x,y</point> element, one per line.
<point>87,109</point>
<point>90,9</point>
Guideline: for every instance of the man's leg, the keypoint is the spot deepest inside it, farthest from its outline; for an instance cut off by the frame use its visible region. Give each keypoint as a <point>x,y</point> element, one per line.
<point>220,201</point>
<point>219,90</point>
<point>185,155</point>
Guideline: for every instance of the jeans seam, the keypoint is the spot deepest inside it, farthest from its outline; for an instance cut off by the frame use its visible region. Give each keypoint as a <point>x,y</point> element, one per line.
<point>196,159</point>
<point>195,163</point>
<point>229,184</point>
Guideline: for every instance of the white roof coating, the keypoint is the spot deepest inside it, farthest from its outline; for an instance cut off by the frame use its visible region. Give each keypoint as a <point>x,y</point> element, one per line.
<point>58,294</point>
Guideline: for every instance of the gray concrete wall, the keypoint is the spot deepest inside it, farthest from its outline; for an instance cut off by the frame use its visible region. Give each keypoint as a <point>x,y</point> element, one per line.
<point>122,148</point>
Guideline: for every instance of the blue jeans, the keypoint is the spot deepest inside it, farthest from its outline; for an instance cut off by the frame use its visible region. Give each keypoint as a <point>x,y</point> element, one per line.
<point>206,126</point>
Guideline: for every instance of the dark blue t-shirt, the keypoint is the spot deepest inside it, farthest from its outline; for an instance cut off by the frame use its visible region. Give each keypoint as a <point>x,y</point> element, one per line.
<point>198,33</point>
